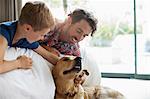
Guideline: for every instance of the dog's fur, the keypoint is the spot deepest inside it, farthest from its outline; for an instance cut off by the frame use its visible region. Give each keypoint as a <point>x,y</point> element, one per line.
<point>69,77</point>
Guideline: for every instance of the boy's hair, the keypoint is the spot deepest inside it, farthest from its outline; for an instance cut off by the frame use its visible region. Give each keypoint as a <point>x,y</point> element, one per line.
<point>79,14</point>
<point>36,14</point>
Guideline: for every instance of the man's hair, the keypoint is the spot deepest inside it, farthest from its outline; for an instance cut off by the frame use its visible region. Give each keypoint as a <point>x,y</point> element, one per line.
<point>36,14</point>
<point>79,14</point>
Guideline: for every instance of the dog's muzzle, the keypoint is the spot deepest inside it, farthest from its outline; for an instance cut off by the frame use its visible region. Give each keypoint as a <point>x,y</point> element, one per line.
<point>78,64</point>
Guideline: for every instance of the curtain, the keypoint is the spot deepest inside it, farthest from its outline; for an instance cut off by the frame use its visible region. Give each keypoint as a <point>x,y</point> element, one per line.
<point>10,10</point>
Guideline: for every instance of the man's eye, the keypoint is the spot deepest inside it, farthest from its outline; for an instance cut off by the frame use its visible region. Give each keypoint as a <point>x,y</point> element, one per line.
<point>78,31</point>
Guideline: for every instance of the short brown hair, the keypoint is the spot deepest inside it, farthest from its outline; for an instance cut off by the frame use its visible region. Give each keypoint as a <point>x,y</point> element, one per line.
<point>36,14</point>
<point>79,14</point>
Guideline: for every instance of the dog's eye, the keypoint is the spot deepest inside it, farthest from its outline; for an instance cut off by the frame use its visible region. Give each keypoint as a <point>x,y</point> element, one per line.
<point>66,59</point>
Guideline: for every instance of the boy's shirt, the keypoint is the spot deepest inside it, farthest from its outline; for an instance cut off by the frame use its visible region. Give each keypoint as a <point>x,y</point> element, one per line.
<point>51,40</point>
<point>8,29</point>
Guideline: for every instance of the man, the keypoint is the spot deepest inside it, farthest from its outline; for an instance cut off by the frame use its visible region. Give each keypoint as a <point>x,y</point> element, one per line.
<point>65,37</point>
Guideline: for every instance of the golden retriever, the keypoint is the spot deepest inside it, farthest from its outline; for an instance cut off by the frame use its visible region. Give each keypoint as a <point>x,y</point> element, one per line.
<point>69,76</point>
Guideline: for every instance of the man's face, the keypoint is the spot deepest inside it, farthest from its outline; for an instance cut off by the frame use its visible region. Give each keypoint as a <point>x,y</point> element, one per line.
<point>77,31</point>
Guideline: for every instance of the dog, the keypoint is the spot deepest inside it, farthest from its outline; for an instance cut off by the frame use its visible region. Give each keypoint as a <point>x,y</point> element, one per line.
<point>69,77</point>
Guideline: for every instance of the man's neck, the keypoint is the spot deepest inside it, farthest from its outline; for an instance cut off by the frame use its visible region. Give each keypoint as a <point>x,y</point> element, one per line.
<point>61,27</point>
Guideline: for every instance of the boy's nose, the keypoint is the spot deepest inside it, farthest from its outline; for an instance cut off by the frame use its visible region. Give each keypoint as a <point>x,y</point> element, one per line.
<point>42,38</point>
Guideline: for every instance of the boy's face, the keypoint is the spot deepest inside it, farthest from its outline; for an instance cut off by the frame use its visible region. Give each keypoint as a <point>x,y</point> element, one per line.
<point>33,36</point>
<point>77,31</point>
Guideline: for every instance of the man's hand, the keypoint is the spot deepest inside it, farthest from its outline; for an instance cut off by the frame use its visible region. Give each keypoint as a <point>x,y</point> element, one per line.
<point>25,62</point>
<point>50,57</point>
<point>52,50</point>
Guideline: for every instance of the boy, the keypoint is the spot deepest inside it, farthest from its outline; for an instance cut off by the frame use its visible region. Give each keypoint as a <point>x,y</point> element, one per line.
<point>65,37</point>
<point>34,22</point>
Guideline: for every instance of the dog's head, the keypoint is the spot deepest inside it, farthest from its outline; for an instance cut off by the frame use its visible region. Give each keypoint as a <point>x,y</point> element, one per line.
<point>68,65</point>
<point>68,75</point>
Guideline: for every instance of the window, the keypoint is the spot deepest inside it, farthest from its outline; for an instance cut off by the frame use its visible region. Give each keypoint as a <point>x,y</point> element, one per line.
<point>143,40</point>
<point>121,45</point>
<point>56,7</point>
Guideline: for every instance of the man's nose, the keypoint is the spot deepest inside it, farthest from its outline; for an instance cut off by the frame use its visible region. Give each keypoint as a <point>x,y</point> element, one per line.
<point>80,38</point>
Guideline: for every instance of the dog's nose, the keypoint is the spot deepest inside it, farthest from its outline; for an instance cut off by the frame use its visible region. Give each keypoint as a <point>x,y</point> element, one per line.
<point>78,61</point>
<point>80,76</point>
<point>78,64</point>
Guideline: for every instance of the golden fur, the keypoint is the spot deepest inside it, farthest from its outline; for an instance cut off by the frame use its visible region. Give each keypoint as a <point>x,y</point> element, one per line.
<point>69,77</point>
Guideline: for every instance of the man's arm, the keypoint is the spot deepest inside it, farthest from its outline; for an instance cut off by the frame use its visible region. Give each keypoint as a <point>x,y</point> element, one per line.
<point>52,58</point>
<point>51,49</point>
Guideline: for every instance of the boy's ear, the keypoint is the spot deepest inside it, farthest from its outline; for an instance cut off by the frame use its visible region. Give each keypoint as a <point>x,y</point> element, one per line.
<point>28,27</point>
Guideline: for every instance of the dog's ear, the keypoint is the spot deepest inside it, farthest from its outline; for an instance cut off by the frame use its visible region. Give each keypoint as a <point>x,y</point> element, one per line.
<point>86,72</point>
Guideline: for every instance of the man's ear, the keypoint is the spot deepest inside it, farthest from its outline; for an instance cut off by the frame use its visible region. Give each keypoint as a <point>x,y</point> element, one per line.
<point>69,20</point>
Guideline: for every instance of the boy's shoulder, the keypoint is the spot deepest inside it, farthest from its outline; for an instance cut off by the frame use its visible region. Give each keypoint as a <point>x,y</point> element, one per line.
<point>8,24</point>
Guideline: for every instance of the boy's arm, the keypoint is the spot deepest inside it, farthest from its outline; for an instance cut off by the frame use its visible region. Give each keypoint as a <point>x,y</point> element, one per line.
<point>52,58</point>
<point>6,66</point>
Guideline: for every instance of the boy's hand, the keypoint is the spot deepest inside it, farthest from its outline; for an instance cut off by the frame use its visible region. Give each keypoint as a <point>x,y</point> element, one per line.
<point>24,62</point>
